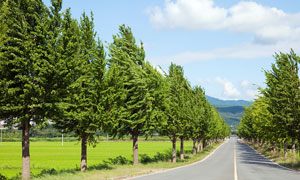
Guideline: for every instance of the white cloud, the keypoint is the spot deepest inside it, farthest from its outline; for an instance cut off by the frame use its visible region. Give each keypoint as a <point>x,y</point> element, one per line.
<point>269,25</point>
<point>241,51</point>
<point>191,14</point>
<point>229,91</point>
<point>245,83</point>
<point>252,93</point>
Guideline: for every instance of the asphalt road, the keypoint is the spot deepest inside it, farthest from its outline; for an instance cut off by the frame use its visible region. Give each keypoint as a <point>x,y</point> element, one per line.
<point>234,160</point>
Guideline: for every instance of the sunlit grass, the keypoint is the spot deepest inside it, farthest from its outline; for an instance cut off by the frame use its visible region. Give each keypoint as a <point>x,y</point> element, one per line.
<point>125,171</point>
<point>48,155</point>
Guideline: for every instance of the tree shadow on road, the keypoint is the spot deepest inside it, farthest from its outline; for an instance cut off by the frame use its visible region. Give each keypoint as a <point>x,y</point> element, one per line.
<point>250,156</point>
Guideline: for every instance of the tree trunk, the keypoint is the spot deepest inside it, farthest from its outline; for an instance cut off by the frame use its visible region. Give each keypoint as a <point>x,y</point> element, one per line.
<point>279,147</point>
<point>285,149</point>
<point>294,147</point>
<point>174,149</point>
<point>83,154</point>
<point>25,151</point>
<point>299,146</point>
<point>135,149</point>
<point>194,147</point>
<point>198,145</point>
<point>273,147</point>
<point>181,148</point>
<point>201,145</point>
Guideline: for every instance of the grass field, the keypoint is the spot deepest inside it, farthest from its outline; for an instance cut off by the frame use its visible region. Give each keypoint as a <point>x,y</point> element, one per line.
<point>48,155</point>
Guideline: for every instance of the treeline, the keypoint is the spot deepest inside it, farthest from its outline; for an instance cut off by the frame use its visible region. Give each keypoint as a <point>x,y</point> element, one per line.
<point>274,117</point>
<point>55,69</point>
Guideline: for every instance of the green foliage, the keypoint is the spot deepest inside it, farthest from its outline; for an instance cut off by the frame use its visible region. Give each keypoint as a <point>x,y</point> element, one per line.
<point>54,70</point>
<point>274,116</point>
<point>26,71</point>
<point>3,26</point>
<point>119,160</point>
<point>2,177</point>
<point>135,92</point>
<point>81,70</point>
<point>176,116</point>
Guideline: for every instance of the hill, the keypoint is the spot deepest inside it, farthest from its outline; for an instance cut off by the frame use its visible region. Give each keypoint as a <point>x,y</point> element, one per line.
<point>219,102</point>
<point>230,110</point>
<point>231,114</point>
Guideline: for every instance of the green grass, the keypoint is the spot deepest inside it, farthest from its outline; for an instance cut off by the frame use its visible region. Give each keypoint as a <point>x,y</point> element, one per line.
<point>48,155</point>
<point>124,171</point>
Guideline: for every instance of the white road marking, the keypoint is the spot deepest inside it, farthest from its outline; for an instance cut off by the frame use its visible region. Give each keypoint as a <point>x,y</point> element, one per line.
<point>235,166</point>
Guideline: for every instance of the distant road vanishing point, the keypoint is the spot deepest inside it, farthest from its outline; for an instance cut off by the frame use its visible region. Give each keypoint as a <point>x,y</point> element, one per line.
<point>234,160</point>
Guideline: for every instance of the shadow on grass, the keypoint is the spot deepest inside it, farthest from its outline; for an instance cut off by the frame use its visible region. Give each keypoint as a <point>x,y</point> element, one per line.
<point>165,156</point>
<point>53,171</point>
<point>292,165</point>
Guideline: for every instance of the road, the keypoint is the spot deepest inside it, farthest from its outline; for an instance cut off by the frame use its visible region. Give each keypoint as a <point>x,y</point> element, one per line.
<point>234,160</point>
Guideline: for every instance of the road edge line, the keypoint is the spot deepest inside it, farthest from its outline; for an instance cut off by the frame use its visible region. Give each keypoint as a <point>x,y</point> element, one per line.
<point>163,171</point>
<point>234,162</point>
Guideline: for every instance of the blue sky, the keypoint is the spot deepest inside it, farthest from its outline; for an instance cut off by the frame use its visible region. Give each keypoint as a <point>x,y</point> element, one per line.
<point>223,45</point>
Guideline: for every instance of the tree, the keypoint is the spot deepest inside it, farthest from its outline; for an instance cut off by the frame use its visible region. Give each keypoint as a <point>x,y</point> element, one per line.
<point>283,95</point>
<point>185,114</point>
<point>134,88</point>
<point>83,66</point>
<point>25,70</point>
<point>175,114</point>
<point>198,125</point>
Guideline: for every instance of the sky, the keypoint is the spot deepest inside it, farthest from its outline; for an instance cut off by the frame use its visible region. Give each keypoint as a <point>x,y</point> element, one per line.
<point>224,45</point>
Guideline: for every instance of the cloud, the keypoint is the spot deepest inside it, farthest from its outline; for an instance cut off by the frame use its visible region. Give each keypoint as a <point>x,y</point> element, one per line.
<point>229,91</point>
<point>252,93</point>
<point>191,14</point>
<point>269,25</point>
<point>247,50</point>
<point>245,83</point>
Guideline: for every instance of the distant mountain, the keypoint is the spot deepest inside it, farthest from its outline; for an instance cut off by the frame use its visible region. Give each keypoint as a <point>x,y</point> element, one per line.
<point>219,102</point>
<point>231,114</point>
<point>230,110</point>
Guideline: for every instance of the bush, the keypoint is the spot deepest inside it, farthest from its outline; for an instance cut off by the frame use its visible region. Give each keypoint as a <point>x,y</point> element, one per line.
<point>2,177</point>
<point>146,159</point>
<point>120,160</point>
<point>49,171</point>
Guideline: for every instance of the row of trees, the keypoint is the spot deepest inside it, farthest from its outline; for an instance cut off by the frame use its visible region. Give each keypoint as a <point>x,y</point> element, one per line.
<point>274,117</point>
<point>54,69</point>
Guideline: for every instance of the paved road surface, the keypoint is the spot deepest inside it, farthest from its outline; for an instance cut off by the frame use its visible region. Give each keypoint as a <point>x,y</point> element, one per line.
<point>234,160</point>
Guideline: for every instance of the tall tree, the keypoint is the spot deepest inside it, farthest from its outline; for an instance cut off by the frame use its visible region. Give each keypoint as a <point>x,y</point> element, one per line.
<point>81,69</point>
<point>185,114</point>
<point>199,125</point>
<point>25,69</point>
<point>176,119</point>
<point>137,88</point>
<point>282,90</point>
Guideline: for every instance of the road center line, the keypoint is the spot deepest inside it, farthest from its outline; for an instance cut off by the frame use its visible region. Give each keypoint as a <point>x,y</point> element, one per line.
<point>234,162</point>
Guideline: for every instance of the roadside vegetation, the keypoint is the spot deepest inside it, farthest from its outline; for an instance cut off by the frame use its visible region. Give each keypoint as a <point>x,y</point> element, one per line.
<point>288,161</point>
<point>53,158</point>
<point>271,124</point>
<point>156,156</point>
<point>55,70</point>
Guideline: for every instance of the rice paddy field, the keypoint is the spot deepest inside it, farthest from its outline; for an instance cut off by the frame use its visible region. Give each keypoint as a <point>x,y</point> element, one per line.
<point>47,155</point>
